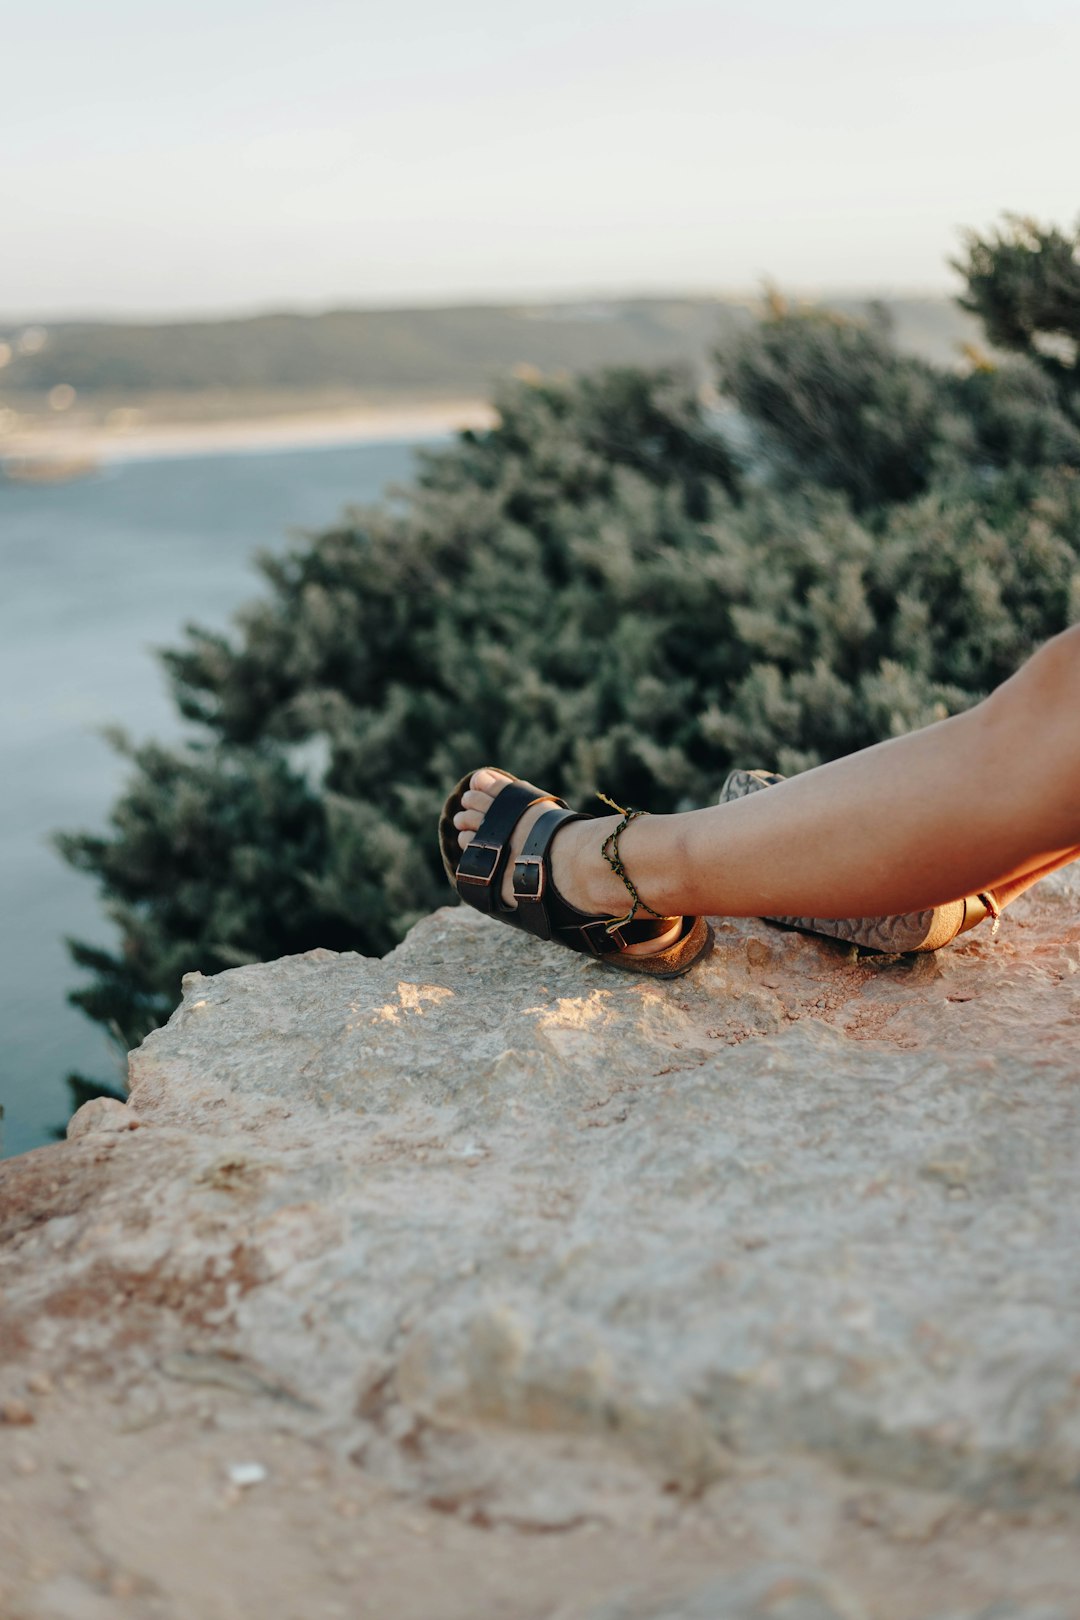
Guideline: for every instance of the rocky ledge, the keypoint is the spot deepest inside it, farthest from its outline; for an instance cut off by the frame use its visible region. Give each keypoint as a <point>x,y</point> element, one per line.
<point>482,1281</point>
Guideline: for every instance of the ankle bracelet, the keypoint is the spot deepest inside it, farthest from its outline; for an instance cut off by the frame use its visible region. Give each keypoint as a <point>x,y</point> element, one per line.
<point>610,852</point>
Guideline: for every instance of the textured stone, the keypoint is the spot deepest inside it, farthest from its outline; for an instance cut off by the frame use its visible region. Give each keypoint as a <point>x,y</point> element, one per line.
<point>765,1593</point>
<point>101,1114</point>
<point>533,1246</point>
<point>16,1413</point>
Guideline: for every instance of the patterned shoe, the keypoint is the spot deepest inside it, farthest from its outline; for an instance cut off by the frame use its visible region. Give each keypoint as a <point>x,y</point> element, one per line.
<point>914,931</point>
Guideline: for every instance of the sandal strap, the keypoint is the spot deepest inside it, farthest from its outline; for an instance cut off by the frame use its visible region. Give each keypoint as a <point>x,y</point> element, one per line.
<point>535,893</point>
<point>482,865</point>
<point>597,938</point>
<point>542,911</point>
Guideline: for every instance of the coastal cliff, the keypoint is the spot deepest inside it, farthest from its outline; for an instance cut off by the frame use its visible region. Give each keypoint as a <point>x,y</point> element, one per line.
<point>479,1280</point>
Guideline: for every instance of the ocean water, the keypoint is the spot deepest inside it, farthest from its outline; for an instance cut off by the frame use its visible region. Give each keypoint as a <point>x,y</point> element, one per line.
<point>93,576</point>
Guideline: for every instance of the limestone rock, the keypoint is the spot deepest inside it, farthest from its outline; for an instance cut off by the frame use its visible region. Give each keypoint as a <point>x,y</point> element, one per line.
<point>777,1261</point>
<point>102,1114</point>
<point>763,1593</point>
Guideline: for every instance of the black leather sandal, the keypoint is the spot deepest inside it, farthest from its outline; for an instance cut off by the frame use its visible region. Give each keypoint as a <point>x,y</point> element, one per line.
<point>476,874</point>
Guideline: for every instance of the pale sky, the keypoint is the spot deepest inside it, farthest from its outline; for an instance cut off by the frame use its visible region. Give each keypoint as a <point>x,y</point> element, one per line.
<point>235,155</point>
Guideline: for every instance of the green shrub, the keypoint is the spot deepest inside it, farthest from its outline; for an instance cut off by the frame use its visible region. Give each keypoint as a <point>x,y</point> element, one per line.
<point>836,405</point>
<point>1023,282</point>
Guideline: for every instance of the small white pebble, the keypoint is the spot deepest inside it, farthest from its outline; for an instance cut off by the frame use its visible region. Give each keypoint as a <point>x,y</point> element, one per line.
<point>79,1482</point>
<point>246,1473</point>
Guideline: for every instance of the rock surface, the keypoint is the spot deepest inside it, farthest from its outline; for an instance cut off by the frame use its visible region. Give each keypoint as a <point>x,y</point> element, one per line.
<point>480,1280</point>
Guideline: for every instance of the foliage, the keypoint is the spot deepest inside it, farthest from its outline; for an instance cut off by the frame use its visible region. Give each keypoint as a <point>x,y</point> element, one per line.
<point>1023,282</point>
<point>838,406</point>
<point>596,594</point>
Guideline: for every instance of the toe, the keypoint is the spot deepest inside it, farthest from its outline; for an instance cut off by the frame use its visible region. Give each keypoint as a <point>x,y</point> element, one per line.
<point>468,819</point>
<point>476,801</point>
<point>490,781</point>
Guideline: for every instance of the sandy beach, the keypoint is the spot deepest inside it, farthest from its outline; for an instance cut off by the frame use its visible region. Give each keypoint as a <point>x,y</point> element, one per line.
<point>78,443</point>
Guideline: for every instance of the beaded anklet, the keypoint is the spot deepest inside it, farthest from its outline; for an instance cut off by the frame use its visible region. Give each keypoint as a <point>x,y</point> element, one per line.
<point>614,860</point>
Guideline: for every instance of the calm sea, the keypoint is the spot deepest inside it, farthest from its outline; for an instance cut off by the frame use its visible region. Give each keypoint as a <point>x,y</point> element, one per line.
<point>93,576</point>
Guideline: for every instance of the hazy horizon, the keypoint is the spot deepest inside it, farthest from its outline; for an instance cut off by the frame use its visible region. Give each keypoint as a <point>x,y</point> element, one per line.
<point>538,298</point>
<point>253,157</point>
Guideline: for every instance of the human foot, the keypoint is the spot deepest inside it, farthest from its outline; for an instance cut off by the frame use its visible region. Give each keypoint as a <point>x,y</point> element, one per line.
<point>512,828</point>
<point>578,870</point>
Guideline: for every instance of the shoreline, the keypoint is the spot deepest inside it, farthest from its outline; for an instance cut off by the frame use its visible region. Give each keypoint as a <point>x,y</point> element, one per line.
<point>92,446</point>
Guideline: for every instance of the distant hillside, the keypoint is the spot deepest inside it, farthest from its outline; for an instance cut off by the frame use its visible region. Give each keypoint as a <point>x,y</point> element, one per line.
<point>406,352</point>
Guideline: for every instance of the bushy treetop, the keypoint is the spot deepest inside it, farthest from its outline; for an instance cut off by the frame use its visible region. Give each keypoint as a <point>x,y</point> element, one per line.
<point>1023,282</point>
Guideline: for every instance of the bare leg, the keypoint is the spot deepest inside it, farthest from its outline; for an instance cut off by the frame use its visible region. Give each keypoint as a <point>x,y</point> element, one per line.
<point>1012,888</point>
<point>983,800</point>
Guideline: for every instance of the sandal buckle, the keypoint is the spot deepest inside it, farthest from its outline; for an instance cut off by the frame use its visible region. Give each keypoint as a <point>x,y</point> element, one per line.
<point>597,937</point>
<point>474,849</point>
<point>524,867</point>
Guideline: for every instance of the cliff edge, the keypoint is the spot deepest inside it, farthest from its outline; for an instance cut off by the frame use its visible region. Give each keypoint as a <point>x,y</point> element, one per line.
<point>480,1280</point>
